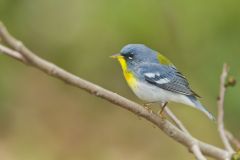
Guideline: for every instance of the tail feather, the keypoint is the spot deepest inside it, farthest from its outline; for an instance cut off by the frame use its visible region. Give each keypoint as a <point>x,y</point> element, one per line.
<point>199,106</point>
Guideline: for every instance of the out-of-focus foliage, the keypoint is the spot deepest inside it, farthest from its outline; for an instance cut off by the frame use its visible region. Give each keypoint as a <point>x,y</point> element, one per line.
<point>43,118</point>
<point>236,156</point>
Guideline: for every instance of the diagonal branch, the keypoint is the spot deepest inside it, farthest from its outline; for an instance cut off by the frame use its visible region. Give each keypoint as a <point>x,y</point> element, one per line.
<point>11,53</point>
<point>195,146</point>
<point>233,139</point>
<point>176,120</point>
<point>222,91</point>
<point>51,69</point>
<point>197,152</point>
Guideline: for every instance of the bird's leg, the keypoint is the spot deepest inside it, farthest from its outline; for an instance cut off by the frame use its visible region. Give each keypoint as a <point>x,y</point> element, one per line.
<point>162,109</point>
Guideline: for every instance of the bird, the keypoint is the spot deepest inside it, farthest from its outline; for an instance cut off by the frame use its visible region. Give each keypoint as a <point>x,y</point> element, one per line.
<point>153,78</point>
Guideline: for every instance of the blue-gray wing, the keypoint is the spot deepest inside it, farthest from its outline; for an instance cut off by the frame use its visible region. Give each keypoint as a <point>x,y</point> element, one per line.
<point>166,77</point>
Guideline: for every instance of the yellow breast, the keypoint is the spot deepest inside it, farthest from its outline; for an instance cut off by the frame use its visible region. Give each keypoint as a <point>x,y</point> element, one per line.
<point>127,74</point>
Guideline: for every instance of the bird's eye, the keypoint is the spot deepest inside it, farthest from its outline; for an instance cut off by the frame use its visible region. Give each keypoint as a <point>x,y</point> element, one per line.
<point>130,56</point>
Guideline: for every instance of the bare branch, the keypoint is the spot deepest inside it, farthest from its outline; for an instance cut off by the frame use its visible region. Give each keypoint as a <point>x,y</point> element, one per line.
<point>197,152</point>
<point>168,128</point>
<point>195,146</point>
<point>176,120</point>
<point>233,139</point>
<point>11,53</point>
<point>222,91</point>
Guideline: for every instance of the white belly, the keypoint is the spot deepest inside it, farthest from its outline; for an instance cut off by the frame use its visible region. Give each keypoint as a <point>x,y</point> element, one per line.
<point>151,93</point>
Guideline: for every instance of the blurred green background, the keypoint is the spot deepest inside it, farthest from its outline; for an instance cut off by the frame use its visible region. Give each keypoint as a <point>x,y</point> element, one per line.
<point>42,118</point>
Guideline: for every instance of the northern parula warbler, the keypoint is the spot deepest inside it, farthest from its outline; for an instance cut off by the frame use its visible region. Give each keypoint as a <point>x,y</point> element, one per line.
<point>154,79</point>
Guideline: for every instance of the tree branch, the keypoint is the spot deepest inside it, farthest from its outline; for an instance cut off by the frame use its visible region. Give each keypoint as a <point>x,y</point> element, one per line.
<point>233,139</point>
<point>222,91</point>
<point>176,120</point>
<point>11,53</point>
<point>51,69</point>
<point>195,146</point>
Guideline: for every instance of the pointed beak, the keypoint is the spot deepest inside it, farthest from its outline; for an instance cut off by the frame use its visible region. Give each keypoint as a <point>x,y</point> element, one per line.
<point>116,55</point>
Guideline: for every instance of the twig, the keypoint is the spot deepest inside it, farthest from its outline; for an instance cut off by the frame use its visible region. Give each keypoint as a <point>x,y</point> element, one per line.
<point>195,146</point>
<point>197,152</point>
<point>57,72</point>
<point>176,120</point>
<point>11,53</point>
<point>222,91</point>
<point>233,139</point>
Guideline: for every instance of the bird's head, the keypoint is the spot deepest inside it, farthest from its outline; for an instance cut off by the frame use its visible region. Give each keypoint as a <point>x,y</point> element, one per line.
<point>134,54</point>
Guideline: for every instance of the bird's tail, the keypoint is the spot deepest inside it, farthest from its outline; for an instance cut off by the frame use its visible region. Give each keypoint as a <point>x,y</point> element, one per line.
<point>199,106</point>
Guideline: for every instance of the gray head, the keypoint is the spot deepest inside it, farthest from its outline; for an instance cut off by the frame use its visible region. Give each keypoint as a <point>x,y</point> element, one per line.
<point>138,53</point>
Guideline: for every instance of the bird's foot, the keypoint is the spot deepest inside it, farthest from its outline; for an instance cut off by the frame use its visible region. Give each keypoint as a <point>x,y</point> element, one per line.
<point>161,113</point>
<point>147,106</point>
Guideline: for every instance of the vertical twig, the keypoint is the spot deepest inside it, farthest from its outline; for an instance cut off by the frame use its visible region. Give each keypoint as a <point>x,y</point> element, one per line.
<point>220,118</point>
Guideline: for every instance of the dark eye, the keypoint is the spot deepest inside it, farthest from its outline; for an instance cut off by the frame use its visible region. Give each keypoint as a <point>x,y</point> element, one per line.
<point>129,56</point>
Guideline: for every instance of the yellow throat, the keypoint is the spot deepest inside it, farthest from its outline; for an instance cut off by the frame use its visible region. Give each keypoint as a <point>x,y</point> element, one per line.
<point>131,80</point>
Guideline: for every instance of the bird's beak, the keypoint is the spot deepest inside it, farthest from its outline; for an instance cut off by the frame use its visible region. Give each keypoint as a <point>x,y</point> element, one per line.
<point>118,55</point>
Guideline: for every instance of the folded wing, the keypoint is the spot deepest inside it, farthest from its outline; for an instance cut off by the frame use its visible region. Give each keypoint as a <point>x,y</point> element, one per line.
<point>166,77</point>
